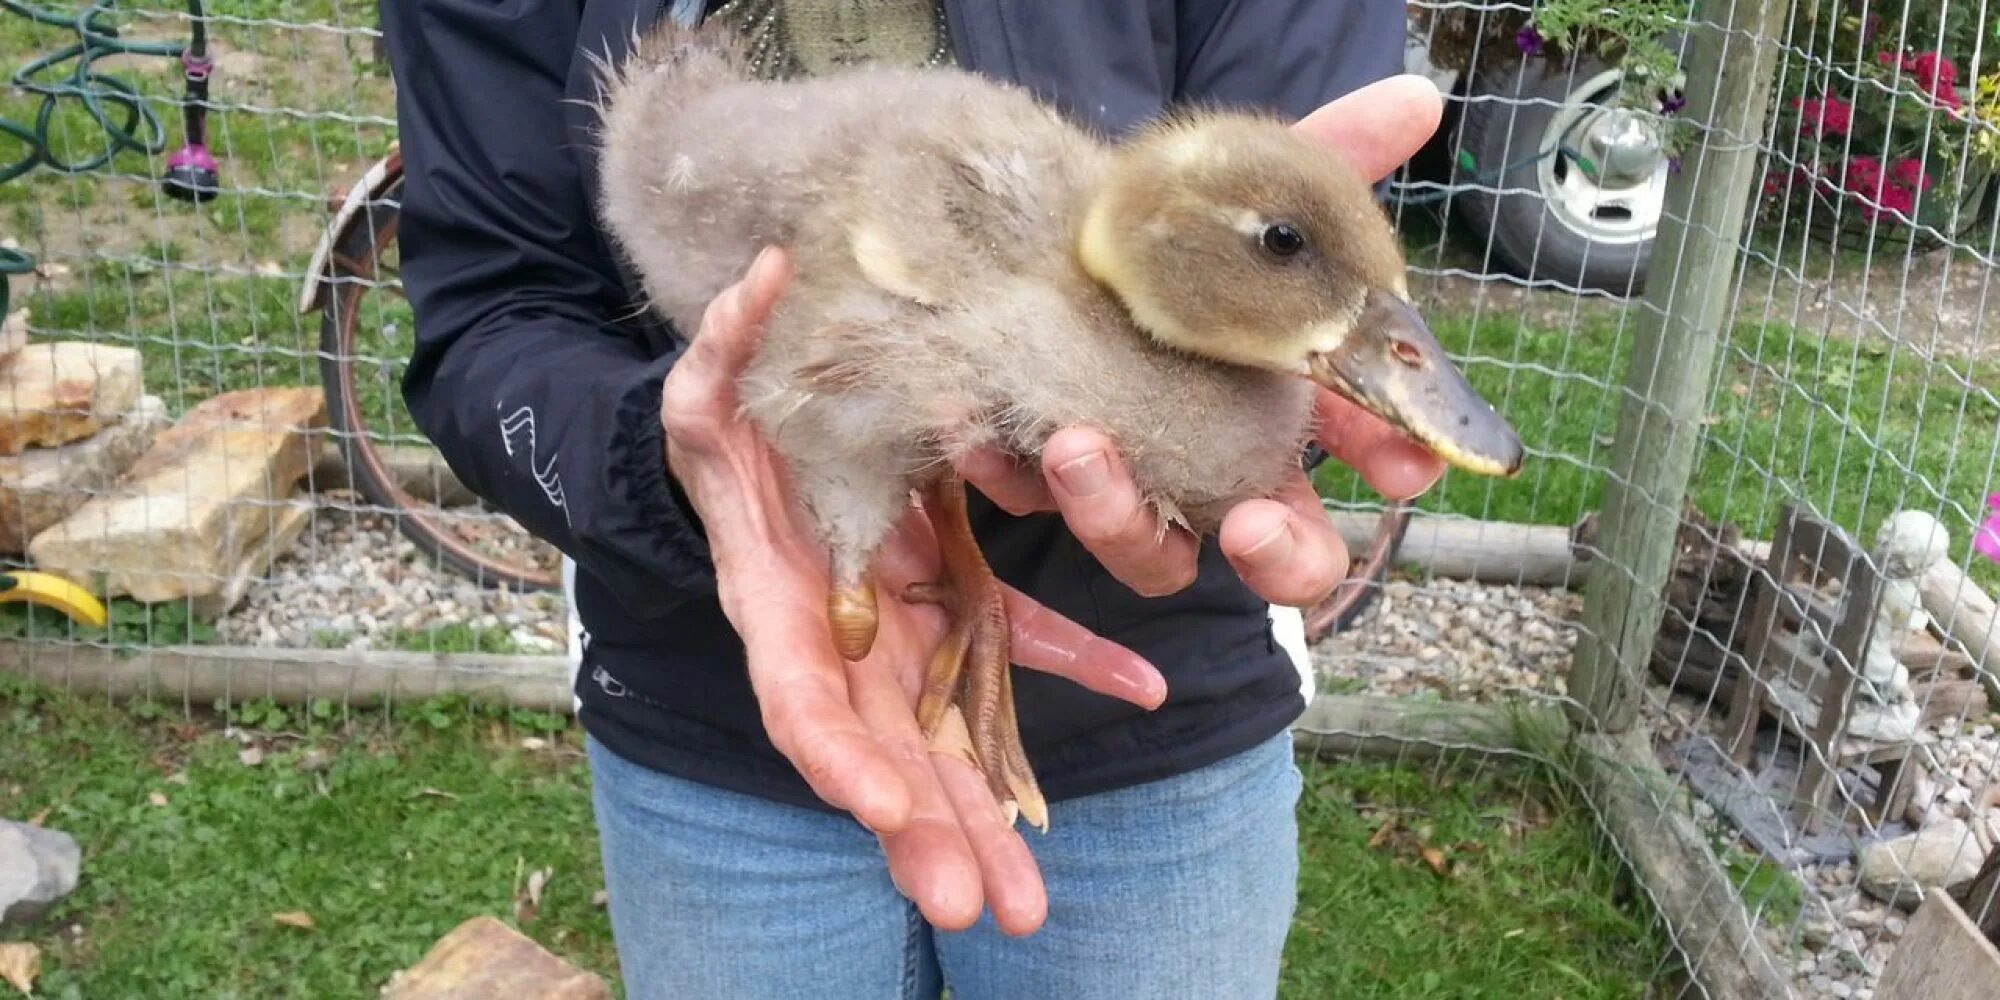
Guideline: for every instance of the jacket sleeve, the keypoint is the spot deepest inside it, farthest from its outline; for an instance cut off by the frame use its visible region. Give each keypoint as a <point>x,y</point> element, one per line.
<point>1289,56</point>
<point>536,399</point>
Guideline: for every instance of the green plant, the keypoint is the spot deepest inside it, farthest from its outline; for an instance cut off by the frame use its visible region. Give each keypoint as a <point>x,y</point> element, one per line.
<point>1878,124</point>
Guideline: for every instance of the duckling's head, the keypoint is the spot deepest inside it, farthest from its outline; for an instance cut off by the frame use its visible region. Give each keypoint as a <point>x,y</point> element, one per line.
<point>1235,238</point>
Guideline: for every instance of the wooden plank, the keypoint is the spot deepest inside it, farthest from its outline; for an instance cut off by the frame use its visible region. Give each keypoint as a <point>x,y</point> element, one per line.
<point>420,472</point>
<point>1942,956</point>
<point>1455,548</point>
<point>1681,874</point>
<point>203,674</point>
<point>1674,352</point>
<point>1967,615</point>
<point>1337,725</point>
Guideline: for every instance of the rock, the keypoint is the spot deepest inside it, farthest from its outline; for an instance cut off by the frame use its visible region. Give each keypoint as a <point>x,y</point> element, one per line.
<point>55,393</point>
<point>41,486</point>
<point>13,333</point>
<point>485,958</point>
<point>38,867</point>
<point>202,510</point>
<point>1939,856</point>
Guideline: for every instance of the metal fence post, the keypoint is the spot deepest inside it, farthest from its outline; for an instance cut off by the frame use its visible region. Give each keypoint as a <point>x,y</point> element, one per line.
<point>1732,49</point>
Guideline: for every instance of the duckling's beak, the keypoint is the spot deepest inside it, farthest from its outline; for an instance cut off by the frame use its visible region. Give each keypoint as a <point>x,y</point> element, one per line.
<point>1391,364</point>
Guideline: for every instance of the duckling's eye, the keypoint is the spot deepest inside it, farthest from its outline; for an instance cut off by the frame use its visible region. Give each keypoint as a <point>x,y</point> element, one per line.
<point>1282,239</point>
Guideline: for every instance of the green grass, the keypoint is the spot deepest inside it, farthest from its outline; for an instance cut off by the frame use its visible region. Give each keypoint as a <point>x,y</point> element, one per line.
<point>1852,431</point>
<point>387,836</point>
<point>388,830</point>
<point>1524,905</point>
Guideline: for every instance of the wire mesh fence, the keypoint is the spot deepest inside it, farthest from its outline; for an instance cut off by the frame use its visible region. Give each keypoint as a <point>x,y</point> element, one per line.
<point>1736,337</point>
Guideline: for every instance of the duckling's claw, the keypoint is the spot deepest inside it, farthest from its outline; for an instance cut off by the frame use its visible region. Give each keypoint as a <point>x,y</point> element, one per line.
<point>850,610</point>
<point>967,703</point>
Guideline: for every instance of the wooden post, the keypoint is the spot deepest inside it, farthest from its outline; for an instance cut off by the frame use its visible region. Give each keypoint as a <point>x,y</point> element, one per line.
<point>1731,57</point>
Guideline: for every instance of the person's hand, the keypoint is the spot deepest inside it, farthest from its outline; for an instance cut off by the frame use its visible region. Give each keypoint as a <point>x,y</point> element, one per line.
<point>851,728</point>
<point>1286,549</point>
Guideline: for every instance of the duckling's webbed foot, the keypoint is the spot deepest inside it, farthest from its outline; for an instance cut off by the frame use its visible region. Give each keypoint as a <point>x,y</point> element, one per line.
<point>967,703</point>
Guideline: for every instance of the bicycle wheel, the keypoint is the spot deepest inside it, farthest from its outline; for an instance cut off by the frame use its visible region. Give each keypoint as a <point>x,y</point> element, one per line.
<point>360,367</point>
<point>1367,568</point>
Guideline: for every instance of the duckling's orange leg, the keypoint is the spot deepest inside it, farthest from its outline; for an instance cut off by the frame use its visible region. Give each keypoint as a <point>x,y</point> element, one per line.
<point>971,673</point>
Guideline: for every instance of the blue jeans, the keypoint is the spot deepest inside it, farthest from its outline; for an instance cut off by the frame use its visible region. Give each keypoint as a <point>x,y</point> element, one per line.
<point>1182,887</point>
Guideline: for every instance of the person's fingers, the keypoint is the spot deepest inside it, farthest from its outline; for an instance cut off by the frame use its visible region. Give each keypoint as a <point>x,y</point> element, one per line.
<point>1014,890</point>
<point>1012,486</point>
<point>1046,641</point>
<point>698,403</point>
<point>1378,127</point>
<point>807,710</point>
<point>1388,461</point>
<point>1285,548</point>
<point>931,860</point>
<point>734,321</point>
<point>1102,506</point>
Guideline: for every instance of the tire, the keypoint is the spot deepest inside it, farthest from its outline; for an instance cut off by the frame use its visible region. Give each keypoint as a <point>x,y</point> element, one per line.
<point>1544,217</point>
<point>353,269</point>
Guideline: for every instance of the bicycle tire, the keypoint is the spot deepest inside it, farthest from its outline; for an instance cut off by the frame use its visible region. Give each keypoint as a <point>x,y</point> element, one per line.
<point>351,271</point>
<point>1367,570</point>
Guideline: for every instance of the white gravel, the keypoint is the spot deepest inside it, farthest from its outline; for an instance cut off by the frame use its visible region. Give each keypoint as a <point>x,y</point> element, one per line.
<point>352,581</point>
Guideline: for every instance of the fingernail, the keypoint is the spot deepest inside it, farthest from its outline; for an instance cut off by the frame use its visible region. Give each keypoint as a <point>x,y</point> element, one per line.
<point>1274,546</point>
<point>1084,476</point>
<point>1142,680</point>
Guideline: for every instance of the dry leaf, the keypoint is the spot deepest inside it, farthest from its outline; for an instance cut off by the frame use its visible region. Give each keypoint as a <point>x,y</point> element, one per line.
<point>20,963</point>
<point>1382,833</point>
<point>537,881</point>
<point>251,757</point>
<point>156,798</point>
<point>39,818</point>
<point>534,743</point>
<point>294,918</point>
<point>1435,858</point>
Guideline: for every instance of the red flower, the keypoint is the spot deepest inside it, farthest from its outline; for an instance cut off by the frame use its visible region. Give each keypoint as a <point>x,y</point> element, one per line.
<point>1822,118</point>
<point>1933,71</point>
<point>1909,173</point>
<point>1863,175</point>
<point>1899,200</point>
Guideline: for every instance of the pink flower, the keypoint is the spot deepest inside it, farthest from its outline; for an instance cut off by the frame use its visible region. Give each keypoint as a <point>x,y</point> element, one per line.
<point>1822,118</point>
<point>1986,541</point>
<point>1909,173</point>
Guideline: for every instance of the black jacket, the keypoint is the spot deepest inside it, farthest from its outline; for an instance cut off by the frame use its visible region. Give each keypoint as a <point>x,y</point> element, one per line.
<point>543,393</point>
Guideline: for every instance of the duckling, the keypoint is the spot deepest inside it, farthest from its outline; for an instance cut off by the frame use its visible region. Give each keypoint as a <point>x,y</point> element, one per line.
<point>972,268</point>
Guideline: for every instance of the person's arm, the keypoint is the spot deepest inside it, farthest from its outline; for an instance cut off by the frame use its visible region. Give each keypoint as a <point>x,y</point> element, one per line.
<point>537,402</point>
<point>1287,56</point>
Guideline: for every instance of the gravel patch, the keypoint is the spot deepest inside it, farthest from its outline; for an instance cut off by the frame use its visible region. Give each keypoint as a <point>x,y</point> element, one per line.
<point>352,581</point>
<point>1465,641</point>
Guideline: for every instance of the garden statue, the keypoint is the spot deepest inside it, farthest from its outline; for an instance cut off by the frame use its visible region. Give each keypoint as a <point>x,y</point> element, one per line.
<point>1885,706</point>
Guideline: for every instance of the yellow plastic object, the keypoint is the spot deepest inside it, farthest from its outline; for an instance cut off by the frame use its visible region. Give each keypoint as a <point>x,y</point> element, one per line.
<point>52,591</point>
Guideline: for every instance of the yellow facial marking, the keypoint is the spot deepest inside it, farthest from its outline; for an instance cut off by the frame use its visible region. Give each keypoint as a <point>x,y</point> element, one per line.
<point>883,265</point>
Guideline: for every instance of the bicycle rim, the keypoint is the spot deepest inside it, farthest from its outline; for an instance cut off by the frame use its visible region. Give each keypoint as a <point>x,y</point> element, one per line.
<point>1367,568</point>
<point>353,268</point>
